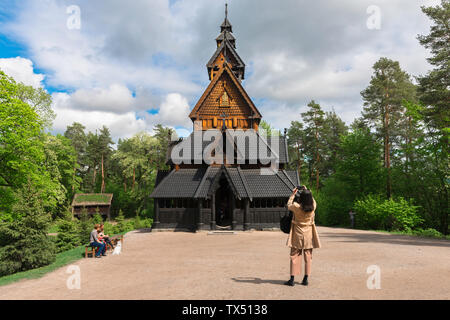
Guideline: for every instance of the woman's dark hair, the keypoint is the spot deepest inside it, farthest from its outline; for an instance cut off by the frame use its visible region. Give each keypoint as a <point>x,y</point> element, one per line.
<point>305,199</point>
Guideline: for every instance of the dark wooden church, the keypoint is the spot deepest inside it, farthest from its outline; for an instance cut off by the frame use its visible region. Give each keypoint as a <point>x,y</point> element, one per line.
<point>233,193</point>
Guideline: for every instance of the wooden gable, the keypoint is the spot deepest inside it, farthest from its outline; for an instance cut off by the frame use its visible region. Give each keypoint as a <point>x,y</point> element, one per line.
<point>225,94</point>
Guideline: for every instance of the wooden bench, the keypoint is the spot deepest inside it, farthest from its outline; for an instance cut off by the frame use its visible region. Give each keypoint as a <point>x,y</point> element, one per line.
<point>89,250</point>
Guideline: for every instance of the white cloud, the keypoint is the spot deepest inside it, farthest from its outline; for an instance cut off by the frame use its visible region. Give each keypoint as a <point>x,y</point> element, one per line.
<point>127,59</point>
<point>69,108</point>
<point>21,70</point>
<point>174,111</point>
<point>117,98</point>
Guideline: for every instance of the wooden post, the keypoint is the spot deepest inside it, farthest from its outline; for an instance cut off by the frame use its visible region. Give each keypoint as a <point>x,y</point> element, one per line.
<point>199,215</point>
<point>246,215</point>
<point>213,211</point>
<point>156,222</point>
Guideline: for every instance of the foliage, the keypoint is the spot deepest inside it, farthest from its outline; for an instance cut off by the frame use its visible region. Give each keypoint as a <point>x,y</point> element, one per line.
<point>85,227</point>
<point>97,218</point>
<point>24,243</point>
<point>373,212</point>
<point>68,234</point>
<point>92,198</point>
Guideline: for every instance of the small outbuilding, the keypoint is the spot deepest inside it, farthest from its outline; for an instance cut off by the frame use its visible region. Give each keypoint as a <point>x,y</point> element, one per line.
<point>93,203</point>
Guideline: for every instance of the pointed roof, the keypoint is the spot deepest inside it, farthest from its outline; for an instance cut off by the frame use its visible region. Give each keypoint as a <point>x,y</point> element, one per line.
<point>245,183</point>
<point>225,69</point>
<point>226,25</point>
<point>229,36</point>
<point>229,49</point>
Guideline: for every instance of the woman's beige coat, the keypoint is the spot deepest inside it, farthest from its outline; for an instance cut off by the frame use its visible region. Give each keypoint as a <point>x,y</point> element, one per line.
<point>303,233</point>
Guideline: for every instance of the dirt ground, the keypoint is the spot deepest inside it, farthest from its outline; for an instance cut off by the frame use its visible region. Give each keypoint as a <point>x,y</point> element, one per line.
<point>252,265</point>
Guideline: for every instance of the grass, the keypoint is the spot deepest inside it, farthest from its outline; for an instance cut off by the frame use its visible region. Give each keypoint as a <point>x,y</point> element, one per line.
<point>62,259</point>
<point>418,233</point>
<point>429,233</point>
<point>92,198</point>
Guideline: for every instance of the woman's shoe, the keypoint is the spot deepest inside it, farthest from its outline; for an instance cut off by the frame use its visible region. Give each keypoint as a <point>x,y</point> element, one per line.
<point>289,283</point>
<point>305,281</point>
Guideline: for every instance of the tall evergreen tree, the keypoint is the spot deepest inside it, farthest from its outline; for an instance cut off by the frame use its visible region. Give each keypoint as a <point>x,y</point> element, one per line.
<point>334,129</point>
<point>434,93</point>
<point>389,86</point>
<point>315,144</point>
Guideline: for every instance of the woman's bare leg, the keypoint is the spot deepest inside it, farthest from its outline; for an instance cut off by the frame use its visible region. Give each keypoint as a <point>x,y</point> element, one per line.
<point>307,255</point>
<point>296,262</point>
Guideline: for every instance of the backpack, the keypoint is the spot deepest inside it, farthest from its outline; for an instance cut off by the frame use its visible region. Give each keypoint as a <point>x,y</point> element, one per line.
<point>285,222</point>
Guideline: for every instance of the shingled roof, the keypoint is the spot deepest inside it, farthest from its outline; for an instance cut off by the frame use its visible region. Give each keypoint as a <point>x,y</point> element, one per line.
<point>273,146</point>
<point>245,183</point>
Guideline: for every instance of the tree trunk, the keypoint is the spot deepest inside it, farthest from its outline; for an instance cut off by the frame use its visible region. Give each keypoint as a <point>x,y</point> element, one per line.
<point>387,155</point>
<point>103,178</point>
<point>73,180</point>
<point>93,179</point>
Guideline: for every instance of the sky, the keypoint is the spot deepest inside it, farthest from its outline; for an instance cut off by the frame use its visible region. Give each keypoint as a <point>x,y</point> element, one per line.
<point>131,65</point>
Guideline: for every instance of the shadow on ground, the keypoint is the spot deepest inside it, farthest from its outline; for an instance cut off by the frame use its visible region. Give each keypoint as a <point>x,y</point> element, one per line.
<point>385,238</point>
<point>258,280</point>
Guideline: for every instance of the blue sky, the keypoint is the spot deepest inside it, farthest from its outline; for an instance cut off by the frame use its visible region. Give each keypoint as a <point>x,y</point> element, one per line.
<point>134,65</point>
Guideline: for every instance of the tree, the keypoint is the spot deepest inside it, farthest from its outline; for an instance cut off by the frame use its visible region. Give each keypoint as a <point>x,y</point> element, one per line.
<point>296,145</point>
<point>24,243</point>
<point>164,136</point>
<point>267,129</point>
<point>138,161</point>
<point>314,143</point>
<point>334,129</point>
<point>21,147</point>
<point>78,138</point>
<point>39,100</point>
<point>359,164</point>
<point>434,94</point>
<point>383,98</point>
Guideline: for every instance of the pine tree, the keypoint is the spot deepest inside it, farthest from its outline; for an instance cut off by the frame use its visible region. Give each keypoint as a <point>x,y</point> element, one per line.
<point>314,142</point>
<point>24,243</point>
<point>434,93</point>
<point>383,108</point>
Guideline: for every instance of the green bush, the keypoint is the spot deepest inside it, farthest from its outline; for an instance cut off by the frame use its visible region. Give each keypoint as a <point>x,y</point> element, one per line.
<point>97,218</point>
<point>142,223</point>
<point>109,228</point>
<point>120,223</point>
<point>68,235</point>
<point>373,212</point>
<point>430,232</point>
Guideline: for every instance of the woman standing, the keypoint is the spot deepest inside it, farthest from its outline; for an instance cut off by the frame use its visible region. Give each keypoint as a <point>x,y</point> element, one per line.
<point>303,236</point>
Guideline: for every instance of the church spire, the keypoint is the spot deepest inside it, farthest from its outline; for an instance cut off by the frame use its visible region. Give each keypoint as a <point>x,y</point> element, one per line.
<point>226,25</point>
<point>226,51</point>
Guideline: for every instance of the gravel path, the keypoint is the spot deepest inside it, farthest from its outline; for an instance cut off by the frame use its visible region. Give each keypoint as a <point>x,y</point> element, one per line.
<point>252,265</point>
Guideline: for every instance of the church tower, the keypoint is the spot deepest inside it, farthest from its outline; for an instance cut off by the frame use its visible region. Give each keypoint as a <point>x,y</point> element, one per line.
<point>218,182</point>
<point>225,103</point>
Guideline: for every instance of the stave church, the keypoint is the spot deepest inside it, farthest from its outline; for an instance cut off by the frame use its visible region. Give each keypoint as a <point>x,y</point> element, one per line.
<point>223,183</point>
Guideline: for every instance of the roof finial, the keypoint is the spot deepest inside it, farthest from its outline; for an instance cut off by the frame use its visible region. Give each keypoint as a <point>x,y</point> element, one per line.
<point>226,10</point>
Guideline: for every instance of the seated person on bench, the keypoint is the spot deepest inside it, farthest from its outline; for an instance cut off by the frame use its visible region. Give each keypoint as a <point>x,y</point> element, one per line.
<point>104,238</point>
<point>95,242</point>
